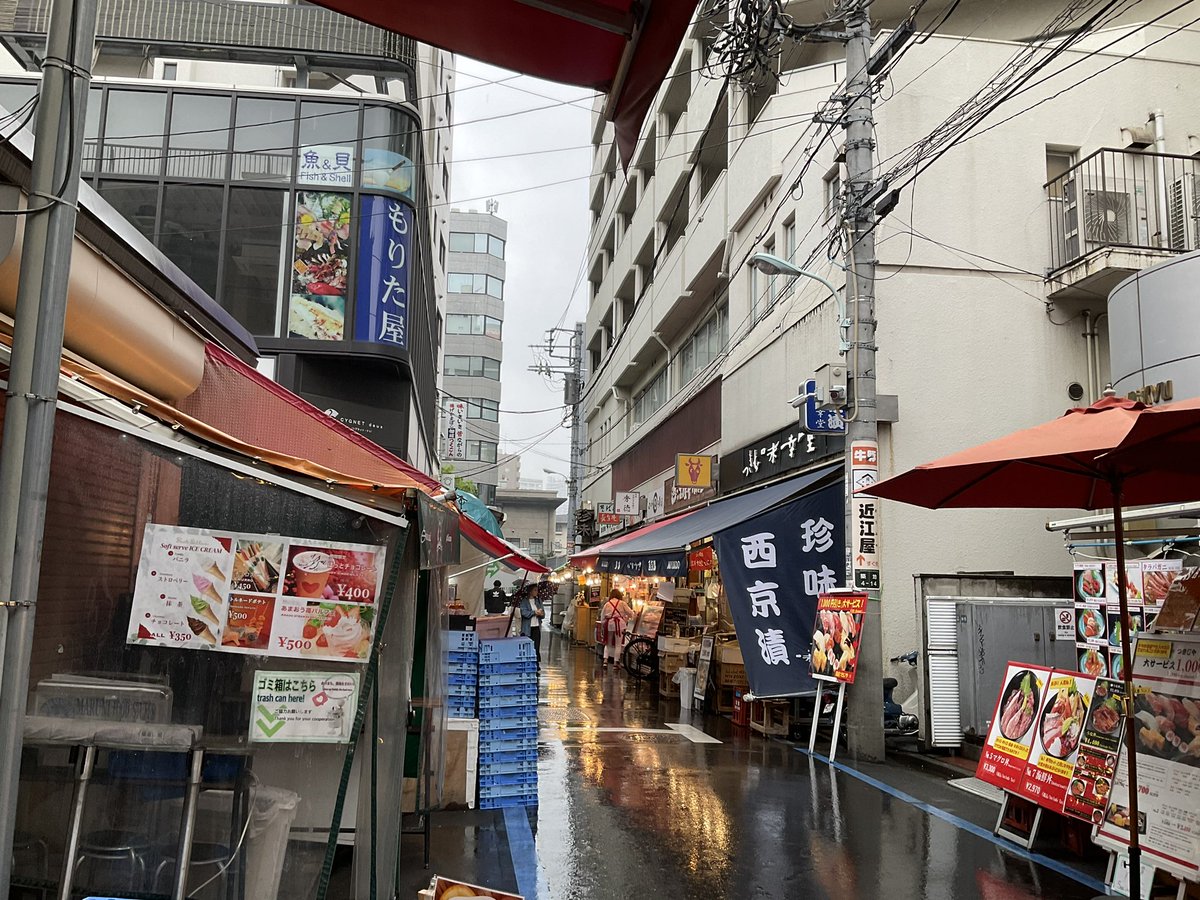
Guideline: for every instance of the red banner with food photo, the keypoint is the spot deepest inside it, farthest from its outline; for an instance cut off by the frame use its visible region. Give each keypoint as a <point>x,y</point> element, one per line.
<point>1006,750</point>
<point>1096,762</point>
<point>837,635</point>
<point>1057,735</point>
<point>330,572</point>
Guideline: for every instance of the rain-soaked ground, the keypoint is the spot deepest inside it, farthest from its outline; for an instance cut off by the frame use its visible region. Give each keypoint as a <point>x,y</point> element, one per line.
<point>632,808</point>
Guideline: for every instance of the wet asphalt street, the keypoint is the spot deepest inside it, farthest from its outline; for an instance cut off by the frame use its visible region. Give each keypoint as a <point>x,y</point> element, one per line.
<point>632,808</point>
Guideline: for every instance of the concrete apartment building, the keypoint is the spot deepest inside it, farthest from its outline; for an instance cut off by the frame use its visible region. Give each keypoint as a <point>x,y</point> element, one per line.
<point>276,153</point>
<point>530,520</point>
<point>994,268</point>
<point>474,327</point>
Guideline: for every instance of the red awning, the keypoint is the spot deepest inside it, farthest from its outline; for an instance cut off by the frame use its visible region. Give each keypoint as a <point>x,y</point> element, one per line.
<point>620,47</point>
<point>587,559</point>
<point>499,549</point>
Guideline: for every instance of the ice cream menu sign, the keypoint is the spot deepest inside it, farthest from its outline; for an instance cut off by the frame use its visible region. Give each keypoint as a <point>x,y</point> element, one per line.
<point>1011,735</point>
<point>1166,726</point>
<point>264,595</point>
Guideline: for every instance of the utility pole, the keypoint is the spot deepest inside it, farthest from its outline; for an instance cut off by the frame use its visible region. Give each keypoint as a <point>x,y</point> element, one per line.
<point>34,373</point>
<point>570,359</point>
<point>864,723</point>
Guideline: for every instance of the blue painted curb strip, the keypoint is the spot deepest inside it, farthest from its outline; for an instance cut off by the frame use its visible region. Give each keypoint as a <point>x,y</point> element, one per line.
<point>1052,864</point>
<point>522,850</point>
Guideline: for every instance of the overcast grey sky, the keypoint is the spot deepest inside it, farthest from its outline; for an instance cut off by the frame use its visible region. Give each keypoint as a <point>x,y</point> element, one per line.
<point>543,197</point>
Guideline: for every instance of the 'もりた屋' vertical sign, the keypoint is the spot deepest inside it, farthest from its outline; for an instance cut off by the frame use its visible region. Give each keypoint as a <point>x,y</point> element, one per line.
<point>384,246</point>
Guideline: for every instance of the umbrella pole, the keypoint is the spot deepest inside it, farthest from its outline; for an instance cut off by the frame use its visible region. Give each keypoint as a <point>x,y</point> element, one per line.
<point>1135,850</point>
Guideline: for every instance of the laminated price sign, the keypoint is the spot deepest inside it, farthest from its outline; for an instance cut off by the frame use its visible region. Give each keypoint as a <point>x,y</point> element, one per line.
<point>1058,732</point>
<point>1011,734</point>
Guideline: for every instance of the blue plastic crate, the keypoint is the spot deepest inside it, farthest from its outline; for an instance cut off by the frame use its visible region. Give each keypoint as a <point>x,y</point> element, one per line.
<point>527,715</point>
<point>502,802</point>
<point>503,734</point>
<point>512,789</point>
<point>458,706</point>
<point>462,641</point>
<point>509,767</point>
<point>467,678</point>
<point>503,754</point>
<point>487,670</point>
<point>509,690</point>
<point>496,750</point>
<point>461,668</point>
<point>508,702</point>
<point>504,650</point>
<point>489,722</point>
<point>461,690</point>
<point>462,656</point>
<point>512,679</point>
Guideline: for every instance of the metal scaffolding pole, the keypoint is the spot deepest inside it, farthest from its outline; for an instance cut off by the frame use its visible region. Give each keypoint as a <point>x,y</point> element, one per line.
<point>30,399</point>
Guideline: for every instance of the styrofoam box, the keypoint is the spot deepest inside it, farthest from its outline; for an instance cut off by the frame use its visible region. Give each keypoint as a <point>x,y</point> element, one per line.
<point>507,650</point>
<point>462,641</point>
<point>674,644</point>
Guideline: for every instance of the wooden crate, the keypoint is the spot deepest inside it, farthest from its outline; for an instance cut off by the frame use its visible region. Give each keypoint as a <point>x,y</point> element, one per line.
<point>725,698</point>
<point>771,716</point>
<point>666,686</point>
<point>671,662</point>
<point>732,675</point>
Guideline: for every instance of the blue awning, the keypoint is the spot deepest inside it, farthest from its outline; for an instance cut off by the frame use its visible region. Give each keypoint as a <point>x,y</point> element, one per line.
<point>662,549</point>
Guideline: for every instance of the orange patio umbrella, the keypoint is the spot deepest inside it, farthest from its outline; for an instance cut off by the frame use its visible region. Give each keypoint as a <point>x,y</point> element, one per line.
<point>1114,453</point>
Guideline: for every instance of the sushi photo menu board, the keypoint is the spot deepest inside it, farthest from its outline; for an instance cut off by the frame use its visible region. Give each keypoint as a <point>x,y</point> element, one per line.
<point>1011,735</point>
<point>1096,762</point>
<point>265,595</point>
<point>1166,726</point>
<point>1097,608</point>
<point>1057,733</point>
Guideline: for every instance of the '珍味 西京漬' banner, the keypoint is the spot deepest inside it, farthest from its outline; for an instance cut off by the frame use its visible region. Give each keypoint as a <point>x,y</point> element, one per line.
<point>774,566</point>
<point>255,594</point>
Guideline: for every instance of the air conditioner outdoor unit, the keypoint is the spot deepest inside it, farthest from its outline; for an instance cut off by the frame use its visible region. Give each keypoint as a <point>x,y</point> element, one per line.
<point>1106,217</point>
<point>1183,213</point>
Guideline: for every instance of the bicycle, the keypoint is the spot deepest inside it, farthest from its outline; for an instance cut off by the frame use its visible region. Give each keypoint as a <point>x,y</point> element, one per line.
<point>640,658</point>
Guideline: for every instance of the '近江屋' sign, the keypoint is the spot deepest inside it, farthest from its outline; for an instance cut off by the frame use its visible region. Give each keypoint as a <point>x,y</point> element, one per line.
<point>776,454</point>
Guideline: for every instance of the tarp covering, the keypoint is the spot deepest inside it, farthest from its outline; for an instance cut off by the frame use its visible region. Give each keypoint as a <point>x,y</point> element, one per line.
<point>620,47</point>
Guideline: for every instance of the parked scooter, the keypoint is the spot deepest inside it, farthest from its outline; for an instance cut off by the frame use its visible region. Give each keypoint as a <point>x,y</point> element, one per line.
<point>896,722</point>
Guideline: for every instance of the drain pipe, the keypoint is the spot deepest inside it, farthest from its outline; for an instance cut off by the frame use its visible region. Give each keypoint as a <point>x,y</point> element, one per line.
<point>1096,353</point>
<point>1089,337</point>
<point>1160,149</point>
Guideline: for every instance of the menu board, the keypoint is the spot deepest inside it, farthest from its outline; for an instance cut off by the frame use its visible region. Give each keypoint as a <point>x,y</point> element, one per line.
<point>837,635</point>
<point>1181,604</point>
<point>1098,608</point>
<point>1099,749</point>
<point>1166,711</point>
<point>1058,731</point>
<point>1009,739</point>
<point>255,594</point>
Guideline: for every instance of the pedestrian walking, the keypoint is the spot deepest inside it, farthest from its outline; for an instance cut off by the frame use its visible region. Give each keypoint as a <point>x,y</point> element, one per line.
<point>495,600</point>
<point>613,617</point>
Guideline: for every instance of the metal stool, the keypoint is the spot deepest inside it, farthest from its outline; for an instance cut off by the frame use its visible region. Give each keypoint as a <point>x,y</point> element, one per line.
<point>116,847</point>
<point>25,843</point>
<point>206,862</point>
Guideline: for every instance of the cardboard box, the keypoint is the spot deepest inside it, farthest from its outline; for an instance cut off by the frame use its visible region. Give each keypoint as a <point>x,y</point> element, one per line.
<point>439,887</point>
<point>729,653</point>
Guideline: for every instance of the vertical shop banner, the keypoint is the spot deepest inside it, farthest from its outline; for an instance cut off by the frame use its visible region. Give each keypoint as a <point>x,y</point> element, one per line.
<point>864,512</point>
<point>303,707</point>
<point>1096,763</point>
<point>384,247</point>
<point>1166,725</point>
<point>440,534</point>
<point>255,594</point>
<point>456,429</point>
<point>320,266</point>
<point>326,165</point>
<point>1057,735</point>
<point>837,635</point>
<point>774,567</point>
<point>1011,734</point>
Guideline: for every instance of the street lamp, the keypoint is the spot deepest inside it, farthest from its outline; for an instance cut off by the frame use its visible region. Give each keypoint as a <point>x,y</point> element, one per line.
<point>770,264</point>
<point>865,722</point>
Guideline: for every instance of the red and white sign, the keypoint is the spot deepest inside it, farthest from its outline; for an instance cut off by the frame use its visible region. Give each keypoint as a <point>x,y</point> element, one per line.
<point>1057,734</point>
<point>456,429</point>
<point>837,635</point>
<point>863,550</point>
<point>1011,734</point>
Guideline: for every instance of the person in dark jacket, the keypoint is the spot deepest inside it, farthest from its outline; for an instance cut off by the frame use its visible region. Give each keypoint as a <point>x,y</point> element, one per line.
<point>495,600</point>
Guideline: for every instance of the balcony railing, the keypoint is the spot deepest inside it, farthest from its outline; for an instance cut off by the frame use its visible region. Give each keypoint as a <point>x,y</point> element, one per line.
<point>1124,198</point>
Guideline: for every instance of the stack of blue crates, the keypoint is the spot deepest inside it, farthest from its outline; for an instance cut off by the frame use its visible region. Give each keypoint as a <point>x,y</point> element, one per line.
<point>508,723</point>
<point>462,673</point>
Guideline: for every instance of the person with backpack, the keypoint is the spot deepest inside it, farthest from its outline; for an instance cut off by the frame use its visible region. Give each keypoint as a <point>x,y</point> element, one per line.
<point>614,616</point>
